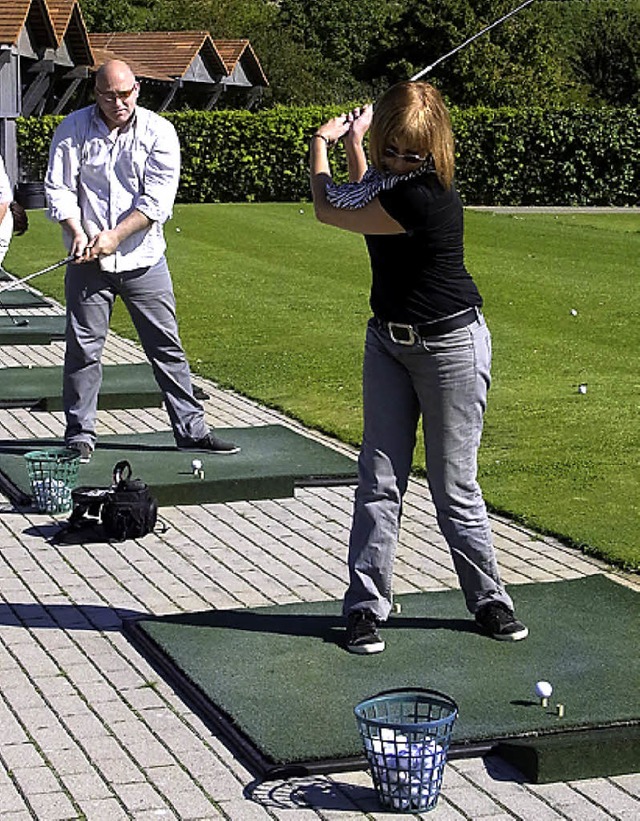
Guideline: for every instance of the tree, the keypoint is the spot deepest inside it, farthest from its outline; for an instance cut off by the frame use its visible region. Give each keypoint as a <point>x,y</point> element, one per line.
<point>509,65</point>
<point>116,15</point>
<point>606,51</point>
<point>345,51</point>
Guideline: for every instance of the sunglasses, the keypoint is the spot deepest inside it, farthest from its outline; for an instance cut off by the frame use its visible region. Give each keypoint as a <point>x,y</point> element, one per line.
<point>413,159</point>
<point>112,96</point>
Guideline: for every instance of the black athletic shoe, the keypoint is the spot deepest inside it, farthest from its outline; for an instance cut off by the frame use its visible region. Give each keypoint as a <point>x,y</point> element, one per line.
<point>498,621</point>
<point>362,633</point>
<point>210,443</point>
<point>84,449</point>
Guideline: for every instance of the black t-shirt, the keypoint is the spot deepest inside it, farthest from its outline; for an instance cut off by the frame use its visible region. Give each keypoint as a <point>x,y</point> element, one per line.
<point>420,276</point>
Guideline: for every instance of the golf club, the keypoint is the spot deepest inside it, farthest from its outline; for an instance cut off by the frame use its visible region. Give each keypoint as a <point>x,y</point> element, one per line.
<point>16,283</point>
<point>470,40</point>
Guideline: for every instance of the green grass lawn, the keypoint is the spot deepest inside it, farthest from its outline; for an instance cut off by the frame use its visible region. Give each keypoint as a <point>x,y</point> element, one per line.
<point>274,305</point>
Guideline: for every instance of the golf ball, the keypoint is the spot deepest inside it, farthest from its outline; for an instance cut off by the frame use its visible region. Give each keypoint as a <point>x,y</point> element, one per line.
<point>196,465</point>
<point>543,689</point>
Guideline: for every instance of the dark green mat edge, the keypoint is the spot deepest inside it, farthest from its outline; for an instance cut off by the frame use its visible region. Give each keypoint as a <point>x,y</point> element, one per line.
<point>528,752</point>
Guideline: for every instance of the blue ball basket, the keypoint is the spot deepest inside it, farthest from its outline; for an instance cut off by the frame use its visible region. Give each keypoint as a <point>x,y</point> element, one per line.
<point>406,736</point>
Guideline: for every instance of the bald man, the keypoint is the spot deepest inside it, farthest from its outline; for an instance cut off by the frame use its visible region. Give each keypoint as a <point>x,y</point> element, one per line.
<point>111,183</point>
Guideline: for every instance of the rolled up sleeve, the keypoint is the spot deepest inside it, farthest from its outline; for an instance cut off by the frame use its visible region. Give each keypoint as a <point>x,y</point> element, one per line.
<point>161,175</point>
<point>61,180</point>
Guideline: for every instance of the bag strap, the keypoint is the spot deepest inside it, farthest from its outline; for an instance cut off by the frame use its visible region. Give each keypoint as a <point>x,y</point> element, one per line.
<point>121,472</point>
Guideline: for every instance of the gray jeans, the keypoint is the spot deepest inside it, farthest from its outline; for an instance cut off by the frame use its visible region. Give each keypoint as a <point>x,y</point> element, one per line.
<point>445,378</point>
<point>147,293</point>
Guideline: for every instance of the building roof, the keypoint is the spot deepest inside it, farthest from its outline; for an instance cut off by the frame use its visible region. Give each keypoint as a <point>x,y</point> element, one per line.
<point>69,25</point>
<point>102,53</point>
<point>161,55</point>
<point>14,15</point>
<point>168,55</point>
<point>234,52</point>
<point>61,12</point>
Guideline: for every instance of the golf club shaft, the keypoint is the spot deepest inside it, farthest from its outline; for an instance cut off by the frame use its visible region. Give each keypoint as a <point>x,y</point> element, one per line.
<point>470,40</point>
<point>16,283</point>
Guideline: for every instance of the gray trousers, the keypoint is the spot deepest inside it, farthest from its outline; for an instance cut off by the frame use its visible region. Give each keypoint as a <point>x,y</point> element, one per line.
<point>444,378</point>
<point>148,295</point>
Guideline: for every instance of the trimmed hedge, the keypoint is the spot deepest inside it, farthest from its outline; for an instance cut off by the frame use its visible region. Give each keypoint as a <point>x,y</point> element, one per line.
<point>577,156</point>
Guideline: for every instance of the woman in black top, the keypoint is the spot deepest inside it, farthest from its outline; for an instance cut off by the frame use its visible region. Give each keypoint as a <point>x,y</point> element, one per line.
<point>427,352</point>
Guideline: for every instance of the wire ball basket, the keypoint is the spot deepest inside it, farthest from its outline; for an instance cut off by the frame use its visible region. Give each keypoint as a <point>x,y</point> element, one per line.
<point>53,473</point>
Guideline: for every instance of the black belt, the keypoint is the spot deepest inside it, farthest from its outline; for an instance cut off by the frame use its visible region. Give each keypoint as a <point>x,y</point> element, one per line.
<point>408,334</point>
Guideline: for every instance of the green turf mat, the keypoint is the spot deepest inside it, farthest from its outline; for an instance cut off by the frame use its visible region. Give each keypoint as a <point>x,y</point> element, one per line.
<point>22,298</point>
<point>272,462</point>
<point>41,330</point>
<point>277,680</point>
<point>40,388</point>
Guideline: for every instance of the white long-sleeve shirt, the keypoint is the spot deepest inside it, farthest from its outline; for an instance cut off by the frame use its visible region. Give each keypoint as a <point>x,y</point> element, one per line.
<point>6,194</point>
<point>6,218</point>
<point>99,176</point>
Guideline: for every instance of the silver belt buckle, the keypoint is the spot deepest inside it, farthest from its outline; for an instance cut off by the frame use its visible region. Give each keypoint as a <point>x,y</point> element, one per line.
<point>407,337</point>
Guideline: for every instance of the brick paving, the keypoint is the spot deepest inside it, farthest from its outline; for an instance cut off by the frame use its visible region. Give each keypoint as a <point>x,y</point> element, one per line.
<point>90,731</point>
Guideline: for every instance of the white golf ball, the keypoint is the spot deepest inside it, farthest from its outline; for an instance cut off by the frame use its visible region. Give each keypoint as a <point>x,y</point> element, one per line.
<point>543,689</point>
<point>196,464</point>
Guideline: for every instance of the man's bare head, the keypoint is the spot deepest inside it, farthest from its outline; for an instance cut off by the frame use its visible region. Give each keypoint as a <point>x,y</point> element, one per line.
<point>116,93</point>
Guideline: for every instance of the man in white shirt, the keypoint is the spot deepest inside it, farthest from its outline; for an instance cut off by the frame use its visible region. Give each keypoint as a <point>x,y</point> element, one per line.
<point>6,218</point>
<point>111,183</point>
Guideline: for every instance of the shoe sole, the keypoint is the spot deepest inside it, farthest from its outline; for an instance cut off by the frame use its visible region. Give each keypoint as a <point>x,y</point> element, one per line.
<point>208,450</point>
<point>517,636</point>
<point>366,649</point>
<point>84,460</point>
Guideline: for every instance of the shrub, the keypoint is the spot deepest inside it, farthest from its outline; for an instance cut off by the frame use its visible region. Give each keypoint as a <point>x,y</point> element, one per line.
<point>533,156</point>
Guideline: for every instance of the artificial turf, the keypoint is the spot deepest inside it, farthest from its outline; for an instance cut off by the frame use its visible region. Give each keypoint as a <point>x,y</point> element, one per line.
<point>272,462</point>
<point>274,305</point>
<point>279,675</point>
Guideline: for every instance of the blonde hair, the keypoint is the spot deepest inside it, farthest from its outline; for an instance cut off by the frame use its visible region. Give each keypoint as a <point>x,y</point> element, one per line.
<point>415,114</point>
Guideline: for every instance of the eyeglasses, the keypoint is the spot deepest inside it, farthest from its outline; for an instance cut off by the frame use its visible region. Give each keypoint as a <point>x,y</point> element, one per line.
<point>112,96</point>
<point>413,159</point>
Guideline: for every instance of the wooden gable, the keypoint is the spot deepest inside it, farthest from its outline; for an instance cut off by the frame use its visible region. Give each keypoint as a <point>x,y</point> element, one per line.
<point>242,65</point>
<point>20,16</point>
<point>71,32</point>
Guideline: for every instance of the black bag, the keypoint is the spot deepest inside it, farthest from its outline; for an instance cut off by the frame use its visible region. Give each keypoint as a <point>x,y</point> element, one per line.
<point>129,510</point>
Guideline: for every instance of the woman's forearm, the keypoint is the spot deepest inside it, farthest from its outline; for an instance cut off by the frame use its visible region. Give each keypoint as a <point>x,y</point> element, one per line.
<point>356,160</point>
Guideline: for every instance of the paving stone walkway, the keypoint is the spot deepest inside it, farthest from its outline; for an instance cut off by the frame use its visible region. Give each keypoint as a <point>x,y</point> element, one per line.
<point>88,729</point>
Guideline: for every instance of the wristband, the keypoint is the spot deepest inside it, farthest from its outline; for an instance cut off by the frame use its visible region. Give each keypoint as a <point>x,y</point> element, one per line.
<point>322,137</point>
